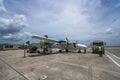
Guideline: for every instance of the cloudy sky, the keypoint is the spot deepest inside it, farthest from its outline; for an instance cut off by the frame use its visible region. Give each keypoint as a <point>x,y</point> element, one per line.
<point>82,20</point>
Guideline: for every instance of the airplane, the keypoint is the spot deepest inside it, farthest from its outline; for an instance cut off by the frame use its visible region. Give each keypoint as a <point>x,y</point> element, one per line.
<point>64,45</point>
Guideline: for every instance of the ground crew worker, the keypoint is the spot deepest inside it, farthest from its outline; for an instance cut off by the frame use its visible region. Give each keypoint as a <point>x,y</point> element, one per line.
<point>84,50</point>
<point>100,51</point>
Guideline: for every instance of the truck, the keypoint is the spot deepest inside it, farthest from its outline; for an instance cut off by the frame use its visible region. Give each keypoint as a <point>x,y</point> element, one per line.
<point>95,44</point>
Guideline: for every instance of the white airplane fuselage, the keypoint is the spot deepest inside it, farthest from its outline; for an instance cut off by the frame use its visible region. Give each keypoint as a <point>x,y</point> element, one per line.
<point>63,45</point>
<point>71,47</point>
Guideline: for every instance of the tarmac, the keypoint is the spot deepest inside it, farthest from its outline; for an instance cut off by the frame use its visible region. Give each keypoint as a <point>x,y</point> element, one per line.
<point>58,66</point>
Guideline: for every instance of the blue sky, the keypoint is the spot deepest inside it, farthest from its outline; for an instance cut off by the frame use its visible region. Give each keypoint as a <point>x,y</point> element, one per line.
<point>82,20</point>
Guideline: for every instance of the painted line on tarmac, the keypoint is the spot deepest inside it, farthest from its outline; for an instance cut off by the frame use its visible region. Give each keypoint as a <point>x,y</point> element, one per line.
<point>111,57</point>
<point>87,66</point>
<point>77,65</point>
<point>14,69</point>
<point>113,60</point>
<point>90,73</point>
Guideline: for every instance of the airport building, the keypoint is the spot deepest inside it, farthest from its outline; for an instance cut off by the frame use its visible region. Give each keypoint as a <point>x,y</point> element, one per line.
<point>9,46</point>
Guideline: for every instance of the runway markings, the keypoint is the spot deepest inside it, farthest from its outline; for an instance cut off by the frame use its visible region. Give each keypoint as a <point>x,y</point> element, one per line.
<point>114,58</point>
<point>90,73</point>
<point>86,67</point>
<point>68,63</point>
<point>113,55</point>
<point>14,69</point>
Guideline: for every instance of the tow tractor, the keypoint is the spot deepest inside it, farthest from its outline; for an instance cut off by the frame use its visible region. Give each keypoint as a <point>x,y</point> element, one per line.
<point>95,44</point>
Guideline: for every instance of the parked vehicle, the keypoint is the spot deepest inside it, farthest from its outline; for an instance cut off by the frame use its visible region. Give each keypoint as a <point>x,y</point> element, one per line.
<point>95,44</point>
<point>32,49</point>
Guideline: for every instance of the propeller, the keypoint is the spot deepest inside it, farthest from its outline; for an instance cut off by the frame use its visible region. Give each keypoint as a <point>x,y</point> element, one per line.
<point>75,43</point>
<point>67,45</point>
<point>67,41</point>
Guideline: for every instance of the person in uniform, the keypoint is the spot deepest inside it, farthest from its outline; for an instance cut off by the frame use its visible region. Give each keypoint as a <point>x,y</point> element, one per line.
<point>100,51</point>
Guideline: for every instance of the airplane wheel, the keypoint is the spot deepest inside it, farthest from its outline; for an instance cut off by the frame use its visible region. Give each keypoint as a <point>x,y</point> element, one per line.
<point>44,51</point>
<point>50,51</point>
<point>38,51</point>
<point>27,51</point>
<point>66,50</point>
<point>79,51</point>
<point>84,50</point>
<point>60,51</point>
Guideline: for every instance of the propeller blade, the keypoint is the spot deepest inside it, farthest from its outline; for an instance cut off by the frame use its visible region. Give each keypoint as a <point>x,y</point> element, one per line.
<point>67,41</point>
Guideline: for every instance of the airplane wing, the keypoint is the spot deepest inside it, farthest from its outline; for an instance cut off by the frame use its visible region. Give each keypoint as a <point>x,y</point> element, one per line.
<point>81,45</point>
<point>44,38</point>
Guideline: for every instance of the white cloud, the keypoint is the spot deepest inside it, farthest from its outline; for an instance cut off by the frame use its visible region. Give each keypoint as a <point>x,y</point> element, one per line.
<point>17,36</point>
<point>13,25</point>
<point>117,5</point>
<point>11,28</point>
<point>109,31</point>
<point>2,8</point>
<point>75,19</point>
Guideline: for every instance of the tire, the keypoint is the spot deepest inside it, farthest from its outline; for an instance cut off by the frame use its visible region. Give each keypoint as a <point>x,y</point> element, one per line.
<point>60,51</point>
<point>103,52</point>
<point>38,51</point>
<point>50,51</point>
<point>27,51</point>
<point>79,51</point>
<point>44,52</point>
<point>66,50</point>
